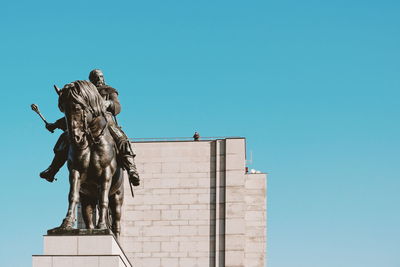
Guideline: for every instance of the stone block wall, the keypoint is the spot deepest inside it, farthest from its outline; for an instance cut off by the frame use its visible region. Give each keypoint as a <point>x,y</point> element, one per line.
<point>168,223</point>
<point>195,206</point>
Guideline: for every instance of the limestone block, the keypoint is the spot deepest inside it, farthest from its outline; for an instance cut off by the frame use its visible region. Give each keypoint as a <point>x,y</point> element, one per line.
<point>160,238</point>
<point>255,181</point>
<point>182,190</point>
<point>170,246</point>
<point>150,262</point>
<point>152,167</point>
<point>202,246</point>
<point>169,215</point>
<point>203,230</point>
<point>235,162</point>
<point>78,261</point>
<point>188,262</point>
<point>170,262</point>
<point>164,183</point>
<point>260,223</point>
<point>255,231</point>
<point>197,175</point>
<point>142,207</point>
<point>205,198</point>
<point>199,222</point>
<point>67,261</point>
<point>188,214</point>
<point>204,182</point>
<point>161,191</point>
<point>132,244</point>
<point>185,183</point>
<point>60,245</point>
<point>188,198</point>
<point>234,258</point>
<point>254,215</point>
<point>132,231</point>
<point>97,245</point>
<point>235,178</point>
<point>140,255</point>
<point>134,215</point>
<point>254,262</point>
<point>141,223</point>
<point>160,207</point>
<point>187,230</point>
<point>257,200</point>
<point>235,242</point>
<point>235,210</point>
<point>198,254</point>
<point>180,207</point>
<point>109,261</point>
<point>42,261</point>
<point>255,247</point>
<point>235,146</point>
<point>151,246</point>
<point>159,254</point>
<point>179,222</point>
<point>161,231</point>
<point>152,183</point>
<point>256,192</point>
<point>178,254</point>
<point>168,199</point>
<point>203,260</point>
<point>170,167</point>
<point>81,250</point>
<point>235,226</point>
<point>234,194</point>
<point>188,167</point>
<point>187,246</point>
<point>152,215</point>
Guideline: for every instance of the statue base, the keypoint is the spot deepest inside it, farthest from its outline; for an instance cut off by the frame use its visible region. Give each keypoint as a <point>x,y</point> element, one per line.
<point>68,232</point>
<point>81,247</point>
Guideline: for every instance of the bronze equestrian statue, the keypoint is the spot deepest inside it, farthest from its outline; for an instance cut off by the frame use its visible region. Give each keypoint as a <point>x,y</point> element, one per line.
<point>94,175</point>
<point>126,155</point>
<point>96,151</point>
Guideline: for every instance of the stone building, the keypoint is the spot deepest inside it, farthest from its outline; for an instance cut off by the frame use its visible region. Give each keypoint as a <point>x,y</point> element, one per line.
<point>196,206</point>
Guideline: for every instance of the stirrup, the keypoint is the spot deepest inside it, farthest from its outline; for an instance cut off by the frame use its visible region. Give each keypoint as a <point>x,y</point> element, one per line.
<point>134,178</point>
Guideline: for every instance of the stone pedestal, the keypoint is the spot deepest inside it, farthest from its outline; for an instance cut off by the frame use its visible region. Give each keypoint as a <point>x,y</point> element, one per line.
<point>81,250</point>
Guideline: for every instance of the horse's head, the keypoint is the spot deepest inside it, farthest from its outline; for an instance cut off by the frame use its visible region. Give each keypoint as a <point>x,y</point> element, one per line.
<point>81,103</point>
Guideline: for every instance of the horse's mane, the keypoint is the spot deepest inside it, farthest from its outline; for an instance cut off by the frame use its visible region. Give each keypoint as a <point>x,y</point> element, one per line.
<point>84,93</point>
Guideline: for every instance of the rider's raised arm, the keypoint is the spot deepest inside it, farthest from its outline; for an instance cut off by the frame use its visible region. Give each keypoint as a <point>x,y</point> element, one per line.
<point>61,124</point>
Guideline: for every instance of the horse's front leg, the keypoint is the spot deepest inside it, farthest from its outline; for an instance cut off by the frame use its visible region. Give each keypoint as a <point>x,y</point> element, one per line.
<point>103,201</point>
<point>73,198</point>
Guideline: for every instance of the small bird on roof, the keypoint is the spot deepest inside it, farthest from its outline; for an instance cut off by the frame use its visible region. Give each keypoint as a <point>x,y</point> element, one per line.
<point>196,136</point>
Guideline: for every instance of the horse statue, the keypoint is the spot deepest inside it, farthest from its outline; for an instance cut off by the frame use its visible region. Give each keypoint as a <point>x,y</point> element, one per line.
<point>94,175</point>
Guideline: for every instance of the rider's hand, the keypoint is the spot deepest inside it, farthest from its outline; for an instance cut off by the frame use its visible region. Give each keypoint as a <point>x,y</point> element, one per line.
<point>51,127</point>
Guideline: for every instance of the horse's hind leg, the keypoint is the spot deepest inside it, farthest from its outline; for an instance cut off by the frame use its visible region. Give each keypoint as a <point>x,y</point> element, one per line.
<point>116,202</point>
<point>88,209</point>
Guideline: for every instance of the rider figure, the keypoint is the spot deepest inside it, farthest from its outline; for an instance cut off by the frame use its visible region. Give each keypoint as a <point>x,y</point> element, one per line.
<point>126,155</point>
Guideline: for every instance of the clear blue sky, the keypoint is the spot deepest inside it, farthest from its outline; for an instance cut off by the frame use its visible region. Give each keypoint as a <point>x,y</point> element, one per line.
<point>313,85</point>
